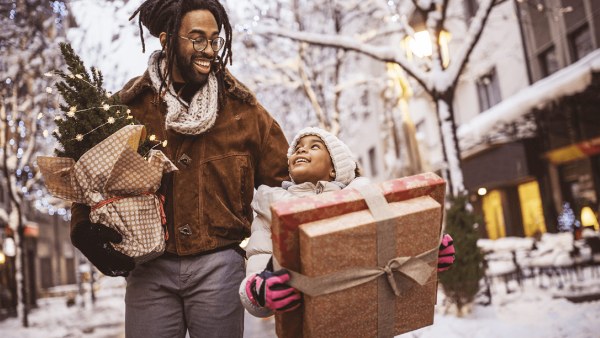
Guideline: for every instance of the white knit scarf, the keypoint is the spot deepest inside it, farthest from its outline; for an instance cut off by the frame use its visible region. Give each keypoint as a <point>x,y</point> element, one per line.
<point>192,119</point>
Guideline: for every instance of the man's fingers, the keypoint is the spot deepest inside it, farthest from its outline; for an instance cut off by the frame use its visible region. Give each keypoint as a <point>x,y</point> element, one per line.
<point>108,234</point>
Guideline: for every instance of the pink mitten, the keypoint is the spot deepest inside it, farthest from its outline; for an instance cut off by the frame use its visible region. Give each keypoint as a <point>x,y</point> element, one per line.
<point>446,253</point>
<point>269,289</point>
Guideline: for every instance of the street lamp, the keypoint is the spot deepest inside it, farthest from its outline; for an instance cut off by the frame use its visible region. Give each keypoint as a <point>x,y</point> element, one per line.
<point>419,45</point>
<point>588,219</point>
<point>9,247</point>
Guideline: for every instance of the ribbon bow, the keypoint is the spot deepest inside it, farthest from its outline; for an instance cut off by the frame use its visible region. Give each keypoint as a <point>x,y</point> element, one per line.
<point>416,268</point>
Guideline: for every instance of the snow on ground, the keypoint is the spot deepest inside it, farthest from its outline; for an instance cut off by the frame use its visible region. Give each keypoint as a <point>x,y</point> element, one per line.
<point>530,312</point>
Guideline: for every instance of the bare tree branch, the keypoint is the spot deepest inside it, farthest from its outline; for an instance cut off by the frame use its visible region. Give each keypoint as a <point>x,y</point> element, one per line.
<point>385,54</point>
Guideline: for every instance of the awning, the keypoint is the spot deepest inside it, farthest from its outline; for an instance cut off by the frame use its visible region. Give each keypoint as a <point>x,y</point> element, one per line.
<point>574,151</point>
<point>567,81</point>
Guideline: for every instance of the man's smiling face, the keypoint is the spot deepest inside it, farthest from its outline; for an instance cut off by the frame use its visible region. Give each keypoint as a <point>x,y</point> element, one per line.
<point>192,66</point>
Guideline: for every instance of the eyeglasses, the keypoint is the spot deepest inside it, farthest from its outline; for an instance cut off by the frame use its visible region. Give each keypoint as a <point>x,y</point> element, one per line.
<point>200,43</point>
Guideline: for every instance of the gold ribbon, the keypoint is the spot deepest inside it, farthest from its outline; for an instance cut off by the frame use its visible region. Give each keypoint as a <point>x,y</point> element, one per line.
<point>415,268</point>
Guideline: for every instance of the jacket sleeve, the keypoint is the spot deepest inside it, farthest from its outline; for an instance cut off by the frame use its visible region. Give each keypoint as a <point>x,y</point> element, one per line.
<point>272,165</point>
<point>255,310</point>
<point>259,248</point>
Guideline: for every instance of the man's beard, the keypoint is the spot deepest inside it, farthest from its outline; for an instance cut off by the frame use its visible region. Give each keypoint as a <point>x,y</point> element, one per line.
<point>188,71</point>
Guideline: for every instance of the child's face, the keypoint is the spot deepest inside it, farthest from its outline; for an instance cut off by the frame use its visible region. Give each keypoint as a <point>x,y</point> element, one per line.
<point>310,161</point>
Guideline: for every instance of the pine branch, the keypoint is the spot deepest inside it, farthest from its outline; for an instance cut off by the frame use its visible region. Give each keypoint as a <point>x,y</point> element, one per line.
<point>90,115</point>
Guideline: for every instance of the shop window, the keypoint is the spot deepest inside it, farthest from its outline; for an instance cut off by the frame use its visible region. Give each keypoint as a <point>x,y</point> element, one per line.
<point>548,61</point>
<point>488,90</point>
<point>580,42</point>
<point>531,209</point>
<point>494,215</point>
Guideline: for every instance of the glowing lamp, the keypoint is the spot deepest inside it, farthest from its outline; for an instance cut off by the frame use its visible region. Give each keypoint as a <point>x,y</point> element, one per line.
<point>588,219</point>
<point>420,44</point>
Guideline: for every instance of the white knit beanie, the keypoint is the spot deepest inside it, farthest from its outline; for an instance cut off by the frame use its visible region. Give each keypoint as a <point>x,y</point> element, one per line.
<point>341,156</point>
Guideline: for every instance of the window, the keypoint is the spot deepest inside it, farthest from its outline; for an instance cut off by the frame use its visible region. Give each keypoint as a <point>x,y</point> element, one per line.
<point>471,7</point>
<point>488,90</point>
<point>580,42</point>
<point>548,61</point>
<point>364,100</point>
<point>373,161</point>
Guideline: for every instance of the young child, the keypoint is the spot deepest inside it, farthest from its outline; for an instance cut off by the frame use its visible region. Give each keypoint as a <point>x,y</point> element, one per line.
<point>318,162</point>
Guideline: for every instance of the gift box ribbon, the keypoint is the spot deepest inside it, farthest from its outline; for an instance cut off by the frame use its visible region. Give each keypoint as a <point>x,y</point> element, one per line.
<point>416,268</point>
<point>161,205</point>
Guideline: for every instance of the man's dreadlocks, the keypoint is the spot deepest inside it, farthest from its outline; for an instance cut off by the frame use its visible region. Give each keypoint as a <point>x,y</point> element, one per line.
<point>166,16</point>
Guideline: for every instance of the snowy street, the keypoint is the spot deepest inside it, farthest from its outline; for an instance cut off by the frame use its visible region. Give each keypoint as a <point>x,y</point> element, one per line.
<point>525,313</point>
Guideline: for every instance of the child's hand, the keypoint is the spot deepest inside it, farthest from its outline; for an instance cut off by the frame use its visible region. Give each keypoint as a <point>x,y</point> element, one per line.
<point>269,289</point>
<point>446,253</point>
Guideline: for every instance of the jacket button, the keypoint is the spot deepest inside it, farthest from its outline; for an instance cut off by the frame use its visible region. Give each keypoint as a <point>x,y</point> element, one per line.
<point>185,160</point>
<point>185,230</point>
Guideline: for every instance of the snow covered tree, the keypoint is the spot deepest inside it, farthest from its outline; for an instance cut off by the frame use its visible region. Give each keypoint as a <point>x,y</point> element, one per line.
<point>437,78</point>
<point>461,282</point>
<point>31,30</point>
<point>321,86</point>
<point>103,36</point>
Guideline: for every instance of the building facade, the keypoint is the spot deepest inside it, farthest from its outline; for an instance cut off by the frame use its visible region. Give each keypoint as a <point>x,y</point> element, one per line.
<point>532,151</point>
<point>50,258</point>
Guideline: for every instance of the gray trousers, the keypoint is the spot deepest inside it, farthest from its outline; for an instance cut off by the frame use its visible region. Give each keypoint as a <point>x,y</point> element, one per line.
<point>168,296</point>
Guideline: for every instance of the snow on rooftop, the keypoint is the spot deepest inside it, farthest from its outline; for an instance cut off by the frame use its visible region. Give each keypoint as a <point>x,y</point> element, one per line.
<point>567,81</point>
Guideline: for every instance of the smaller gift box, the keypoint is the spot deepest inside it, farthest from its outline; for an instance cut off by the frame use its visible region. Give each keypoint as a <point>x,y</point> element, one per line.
<point>120,187</point>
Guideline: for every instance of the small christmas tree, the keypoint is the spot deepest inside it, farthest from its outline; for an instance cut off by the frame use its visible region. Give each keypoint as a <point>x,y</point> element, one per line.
<point>461,282</point>
<point>567,221</point>
<point>91,113</point>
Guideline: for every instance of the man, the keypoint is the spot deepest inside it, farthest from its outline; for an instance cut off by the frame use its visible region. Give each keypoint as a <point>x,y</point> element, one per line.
<point>224,144</point>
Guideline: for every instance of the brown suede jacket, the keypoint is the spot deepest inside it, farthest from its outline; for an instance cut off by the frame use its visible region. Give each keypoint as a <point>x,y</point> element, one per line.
<point>208,198</point>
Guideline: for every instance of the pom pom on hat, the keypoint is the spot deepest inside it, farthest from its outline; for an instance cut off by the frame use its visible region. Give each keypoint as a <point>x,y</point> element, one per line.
<point>341,156</point>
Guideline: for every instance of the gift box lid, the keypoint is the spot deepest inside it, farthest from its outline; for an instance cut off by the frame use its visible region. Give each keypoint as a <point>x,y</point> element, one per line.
<point>288,215</point>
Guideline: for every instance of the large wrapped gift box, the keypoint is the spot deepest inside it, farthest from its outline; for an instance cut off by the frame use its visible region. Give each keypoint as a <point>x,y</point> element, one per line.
<point>327,238</point>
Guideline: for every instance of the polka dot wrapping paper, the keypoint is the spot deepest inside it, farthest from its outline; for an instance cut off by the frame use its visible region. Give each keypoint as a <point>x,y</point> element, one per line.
<point>119,185</point>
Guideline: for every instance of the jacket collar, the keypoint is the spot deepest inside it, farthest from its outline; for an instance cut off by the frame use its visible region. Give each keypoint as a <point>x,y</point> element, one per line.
<point>311,188</point>
<point>141,84</point>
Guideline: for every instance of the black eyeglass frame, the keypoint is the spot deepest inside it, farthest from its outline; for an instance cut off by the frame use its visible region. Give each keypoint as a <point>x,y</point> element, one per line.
<point>206,43</point>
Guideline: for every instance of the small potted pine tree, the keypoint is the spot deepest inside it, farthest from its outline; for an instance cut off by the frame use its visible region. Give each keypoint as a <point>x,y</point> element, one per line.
<point>100,162</point>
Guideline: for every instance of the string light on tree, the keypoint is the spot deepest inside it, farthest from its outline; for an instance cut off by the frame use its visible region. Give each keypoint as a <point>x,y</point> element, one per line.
<point>91,112</point>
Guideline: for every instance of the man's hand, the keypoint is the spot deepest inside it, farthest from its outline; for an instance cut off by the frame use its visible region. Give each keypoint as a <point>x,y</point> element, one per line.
<point>446,254</point>
<point>93,240</point>
<point>269,289</point>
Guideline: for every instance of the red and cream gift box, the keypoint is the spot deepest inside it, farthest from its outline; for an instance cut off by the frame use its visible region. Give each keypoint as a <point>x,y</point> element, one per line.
<point>329,234</point>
